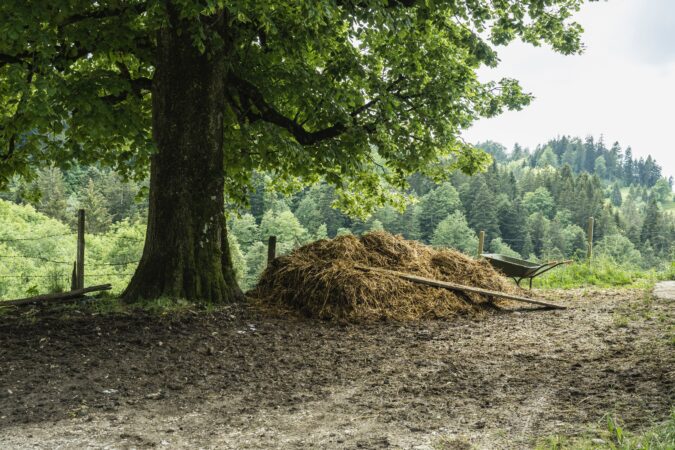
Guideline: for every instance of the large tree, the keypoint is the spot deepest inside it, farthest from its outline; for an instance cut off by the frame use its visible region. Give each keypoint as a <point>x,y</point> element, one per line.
<point>204,92</point>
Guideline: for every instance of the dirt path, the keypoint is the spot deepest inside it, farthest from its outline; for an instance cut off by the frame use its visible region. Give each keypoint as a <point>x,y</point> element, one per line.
<point>665,290</point>
<point>237,379</point>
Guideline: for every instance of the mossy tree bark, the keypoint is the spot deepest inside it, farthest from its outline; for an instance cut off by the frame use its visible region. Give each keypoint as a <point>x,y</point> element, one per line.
<point>186,253</point>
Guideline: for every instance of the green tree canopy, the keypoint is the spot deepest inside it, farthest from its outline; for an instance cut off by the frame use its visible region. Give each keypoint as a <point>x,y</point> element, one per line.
<point>539,200</point>
<point>434,207</point>
<point>453,231</point>
<point>286,227</point>
<point>98,217</point>
<point>206,92</point>
<point>245,229</point>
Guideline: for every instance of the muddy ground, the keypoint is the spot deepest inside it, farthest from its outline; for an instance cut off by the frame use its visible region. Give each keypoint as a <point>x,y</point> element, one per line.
<point>239,379</point>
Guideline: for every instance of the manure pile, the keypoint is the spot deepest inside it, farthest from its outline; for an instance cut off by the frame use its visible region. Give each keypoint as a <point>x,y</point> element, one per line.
<point>320,280</point>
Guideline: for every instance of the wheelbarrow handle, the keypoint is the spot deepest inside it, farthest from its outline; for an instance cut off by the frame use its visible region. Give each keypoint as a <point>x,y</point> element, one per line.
<point>549,266</point>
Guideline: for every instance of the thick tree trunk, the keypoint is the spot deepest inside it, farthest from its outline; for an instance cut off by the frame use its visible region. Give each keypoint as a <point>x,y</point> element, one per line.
<point>186,253</point>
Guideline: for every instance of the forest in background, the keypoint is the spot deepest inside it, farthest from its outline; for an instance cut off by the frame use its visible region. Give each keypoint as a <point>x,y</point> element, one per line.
<point>531,204</point>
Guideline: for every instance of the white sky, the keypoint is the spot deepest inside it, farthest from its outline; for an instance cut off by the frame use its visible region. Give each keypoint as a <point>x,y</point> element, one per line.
<point>622,86</point>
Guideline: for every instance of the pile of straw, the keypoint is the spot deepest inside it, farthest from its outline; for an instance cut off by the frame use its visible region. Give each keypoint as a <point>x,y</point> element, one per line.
<point>320,280</point>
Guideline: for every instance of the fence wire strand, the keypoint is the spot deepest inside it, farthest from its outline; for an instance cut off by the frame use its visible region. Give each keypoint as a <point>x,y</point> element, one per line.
<point>36,238</point>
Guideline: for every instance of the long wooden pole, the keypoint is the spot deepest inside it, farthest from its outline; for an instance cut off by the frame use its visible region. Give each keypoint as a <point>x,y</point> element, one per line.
<point>70,295</point>
<point>80,249</point>
<point>459,287</point>
<point>481,242</point>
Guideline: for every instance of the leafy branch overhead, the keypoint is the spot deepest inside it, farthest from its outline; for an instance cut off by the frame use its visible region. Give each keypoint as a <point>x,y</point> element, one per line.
<point>313,88</point>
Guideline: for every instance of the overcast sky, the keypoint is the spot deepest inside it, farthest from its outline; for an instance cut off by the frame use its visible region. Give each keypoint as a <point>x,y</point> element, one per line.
<point>621,87</point>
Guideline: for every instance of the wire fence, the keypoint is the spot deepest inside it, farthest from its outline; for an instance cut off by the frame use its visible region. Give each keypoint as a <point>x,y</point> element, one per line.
<point>52,269</point>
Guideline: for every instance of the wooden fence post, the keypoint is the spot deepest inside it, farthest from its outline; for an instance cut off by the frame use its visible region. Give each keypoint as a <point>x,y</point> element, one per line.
<point>481,242</point>
<point>589,252</point>
<point>73,277</point>
<point>271,250</point>
<point>80,249</point>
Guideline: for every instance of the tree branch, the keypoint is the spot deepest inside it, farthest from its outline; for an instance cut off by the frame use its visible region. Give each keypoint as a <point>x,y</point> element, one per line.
<point>254,107</point>
<point>14,59</point>
<point>137,84</point>
<point>101,14</point>
<point>389,4</point>
<point>11,147</point>
<point>264,111</point>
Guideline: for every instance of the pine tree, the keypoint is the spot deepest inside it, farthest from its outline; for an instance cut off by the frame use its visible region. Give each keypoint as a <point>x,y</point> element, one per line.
<point>538,226</point>
<point>601,167</point>
<point>53,198</point>
<point>513,224</point>
<point>517,152</point>
<point>98,218</point>
<point>547,158</point>
<point>483,213</point>
<point>614,161</point>
<point>120,195</point>
<point>528,246</point>
<point>256,198</point>
<point>615,196</point>
<point>628,167</point>
<point>655,228</point>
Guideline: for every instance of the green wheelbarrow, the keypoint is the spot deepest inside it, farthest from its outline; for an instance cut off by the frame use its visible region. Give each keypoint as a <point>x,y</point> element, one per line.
<point>520,268</point>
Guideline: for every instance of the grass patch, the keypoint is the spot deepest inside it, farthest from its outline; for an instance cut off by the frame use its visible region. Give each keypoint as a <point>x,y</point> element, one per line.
<point>669,206</point>
<point>603,273</point>
<point>614,437</point>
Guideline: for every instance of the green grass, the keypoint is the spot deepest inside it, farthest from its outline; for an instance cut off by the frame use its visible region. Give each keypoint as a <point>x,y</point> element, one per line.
<point>614,437</point>
<point>602,273</point>
<point>669,206</point>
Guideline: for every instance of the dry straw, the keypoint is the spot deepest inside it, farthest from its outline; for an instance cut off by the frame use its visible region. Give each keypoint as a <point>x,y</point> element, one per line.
<point>320,280</point>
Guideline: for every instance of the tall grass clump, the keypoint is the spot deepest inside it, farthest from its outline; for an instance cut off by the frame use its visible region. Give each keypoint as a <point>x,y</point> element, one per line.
<point>603,272</point>
<point>615,437</point>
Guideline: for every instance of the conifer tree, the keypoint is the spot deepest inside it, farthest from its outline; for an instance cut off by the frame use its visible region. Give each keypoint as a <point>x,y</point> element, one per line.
<point>615,196</point>
<point>601,167</point>
<point>53,198</point>
<point>483,213</point>
<point>98,218</point>
<point>513,224</point>
<point>652,228</point>
<point>538,226</point>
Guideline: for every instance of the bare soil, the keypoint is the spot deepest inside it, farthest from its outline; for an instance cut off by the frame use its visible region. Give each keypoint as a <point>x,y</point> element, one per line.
<point>240,379</point>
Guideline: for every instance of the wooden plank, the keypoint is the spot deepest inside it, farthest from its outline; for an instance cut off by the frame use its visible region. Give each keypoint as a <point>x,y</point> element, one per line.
<point>459,287</point>
<point>54,298</point>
